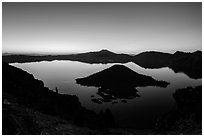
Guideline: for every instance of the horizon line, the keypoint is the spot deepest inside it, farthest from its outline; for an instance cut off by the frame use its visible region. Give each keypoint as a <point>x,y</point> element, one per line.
<point>70,53</point>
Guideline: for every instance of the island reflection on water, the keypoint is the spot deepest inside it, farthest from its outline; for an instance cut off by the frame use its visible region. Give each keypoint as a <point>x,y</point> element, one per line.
<point>138,112</point>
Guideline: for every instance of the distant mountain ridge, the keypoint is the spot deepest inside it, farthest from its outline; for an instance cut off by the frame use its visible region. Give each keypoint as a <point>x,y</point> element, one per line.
<point>152,59</point>
<point>102,56</point>
<point>189,63</point>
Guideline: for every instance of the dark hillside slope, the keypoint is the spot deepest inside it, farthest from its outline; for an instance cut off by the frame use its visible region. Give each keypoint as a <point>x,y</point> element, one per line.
<point>188,63</point>
<point>20,87</point>
<point>187,118</point>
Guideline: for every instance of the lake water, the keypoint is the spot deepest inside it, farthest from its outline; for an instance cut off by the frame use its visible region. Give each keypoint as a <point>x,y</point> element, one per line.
<point>137,112</point>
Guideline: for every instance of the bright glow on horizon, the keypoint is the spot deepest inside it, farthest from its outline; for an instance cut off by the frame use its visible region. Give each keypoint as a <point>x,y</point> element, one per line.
<point>60,28</point>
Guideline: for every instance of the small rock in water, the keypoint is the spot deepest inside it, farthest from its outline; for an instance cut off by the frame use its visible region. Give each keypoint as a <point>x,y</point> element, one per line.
<point>96,101</point>
<point>114,102</point>
<point>6,102</point>
<point>124,101</point>
<point>104,100</point>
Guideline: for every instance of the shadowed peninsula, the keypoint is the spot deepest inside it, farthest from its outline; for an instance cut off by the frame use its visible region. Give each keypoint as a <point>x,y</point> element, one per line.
<point>118,81</point>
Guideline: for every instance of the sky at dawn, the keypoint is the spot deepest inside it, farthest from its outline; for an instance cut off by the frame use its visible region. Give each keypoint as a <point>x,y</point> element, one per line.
<point>60,28</point>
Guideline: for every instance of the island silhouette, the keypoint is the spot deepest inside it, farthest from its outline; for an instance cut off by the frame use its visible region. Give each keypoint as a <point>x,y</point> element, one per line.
<point>118,82</point>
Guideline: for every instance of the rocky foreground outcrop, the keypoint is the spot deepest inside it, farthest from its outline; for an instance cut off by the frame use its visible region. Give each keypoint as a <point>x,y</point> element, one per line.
<point>187,118</point>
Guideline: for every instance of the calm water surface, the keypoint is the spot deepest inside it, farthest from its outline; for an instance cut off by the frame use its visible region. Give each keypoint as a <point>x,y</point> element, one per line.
<point>137,112</point>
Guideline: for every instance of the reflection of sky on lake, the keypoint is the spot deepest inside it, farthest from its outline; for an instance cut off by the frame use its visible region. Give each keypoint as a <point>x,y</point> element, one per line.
<point>153,101</point>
